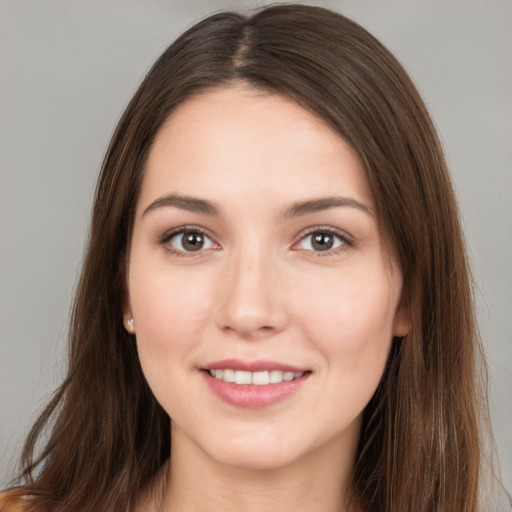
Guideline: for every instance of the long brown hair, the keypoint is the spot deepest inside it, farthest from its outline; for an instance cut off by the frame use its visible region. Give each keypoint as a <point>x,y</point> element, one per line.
<point>420,445</point>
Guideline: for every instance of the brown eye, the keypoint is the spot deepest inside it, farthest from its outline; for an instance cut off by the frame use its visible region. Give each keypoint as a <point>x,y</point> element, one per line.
<point>322,241</point>
<point>190,241</point>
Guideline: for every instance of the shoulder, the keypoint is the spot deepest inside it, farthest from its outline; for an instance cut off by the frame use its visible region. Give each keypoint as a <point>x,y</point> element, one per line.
<point>12,503</point>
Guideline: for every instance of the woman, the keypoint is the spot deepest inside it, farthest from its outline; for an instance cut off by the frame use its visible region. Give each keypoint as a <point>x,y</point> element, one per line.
<point>275,263</point>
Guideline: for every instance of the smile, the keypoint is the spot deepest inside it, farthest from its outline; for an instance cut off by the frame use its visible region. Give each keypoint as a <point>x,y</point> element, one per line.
<point>260,378</point>
<point>254,384</point>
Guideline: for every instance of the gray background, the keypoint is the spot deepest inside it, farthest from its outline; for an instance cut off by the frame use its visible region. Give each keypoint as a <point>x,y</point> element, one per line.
<point>67,70</point>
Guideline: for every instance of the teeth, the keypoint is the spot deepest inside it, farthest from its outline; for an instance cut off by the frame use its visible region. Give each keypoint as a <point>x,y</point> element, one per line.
<point>229,375</point>
<point>260,378</point>
<point>242,377</point>
<point>275,376</point>
<point>255,378</point>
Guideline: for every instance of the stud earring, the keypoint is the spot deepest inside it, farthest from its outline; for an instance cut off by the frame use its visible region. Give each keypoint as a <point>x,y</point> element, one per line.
<point>131,326</point>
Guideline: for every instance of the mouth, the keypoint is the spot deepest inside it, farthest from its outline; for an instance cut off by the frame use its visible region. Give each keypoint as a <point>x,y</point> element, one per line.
<point>254,384</point>
<point>260,378</point>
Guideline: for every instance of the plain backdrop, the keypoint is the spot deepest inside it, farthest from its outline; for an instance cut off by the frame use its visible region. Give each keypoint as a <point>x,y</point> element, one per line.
<point>69,67</point>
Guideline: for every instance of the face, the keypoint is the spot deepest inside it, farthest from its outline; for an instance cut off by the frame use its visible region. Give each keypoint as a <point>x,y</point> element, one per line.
<point>264,303</point>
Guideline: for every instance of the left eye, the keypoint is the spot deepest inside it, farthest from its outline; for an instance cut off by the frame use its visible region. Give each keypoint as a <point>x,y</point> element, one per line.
<point>320,241</point>
<point>190,241</point>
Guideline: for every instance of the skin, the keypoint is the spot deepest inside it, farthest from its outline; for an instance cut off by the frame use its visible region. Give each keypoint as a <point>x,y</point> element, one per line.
<point>259,289</point>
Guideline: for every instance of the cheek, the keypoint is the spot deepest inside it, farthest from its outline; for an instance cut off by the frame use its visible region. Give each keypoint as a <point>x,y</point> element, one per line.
<point>353,324</point>
<point>169,310</point>
<point>169,317</point>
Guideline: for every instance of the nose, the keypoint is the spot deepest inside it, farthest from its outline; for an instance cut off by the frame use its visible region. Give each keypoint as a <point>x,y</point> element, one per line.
<point>251,296</point>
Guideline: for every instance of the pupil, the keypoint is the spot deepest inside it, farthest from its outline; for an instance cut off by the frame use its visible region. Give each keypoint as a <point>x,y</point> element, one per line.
<point>193,241</point>
<point>322,242</point>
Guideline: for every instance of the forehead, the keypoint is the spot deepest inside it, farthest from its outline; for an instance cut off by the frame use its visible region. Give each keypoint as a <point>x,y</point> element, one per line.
<point>231,141</point>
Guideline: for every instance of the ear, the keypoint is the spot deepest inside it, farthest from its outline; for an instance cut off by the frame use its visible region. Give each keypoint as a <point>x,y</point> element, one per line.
<point>128,321</point>
<point>402,320</point>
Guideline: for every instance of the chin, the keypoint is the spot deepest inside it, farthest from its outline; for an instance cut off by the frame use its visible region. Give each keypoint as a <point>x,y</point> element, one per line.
<point>255,460</point>
<point>267,451</point>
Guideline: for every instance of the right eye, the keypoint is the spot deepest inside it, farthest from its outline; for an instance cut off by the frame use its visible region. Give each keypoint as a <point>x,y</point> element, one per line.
<point>188,241</point>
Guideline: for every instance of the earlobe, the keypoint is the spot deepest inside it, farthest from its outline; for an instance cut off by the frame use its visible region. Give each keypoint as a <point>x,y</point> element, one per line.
<point>130,326</point>
<point>129,323</point>
<point>402,322</point>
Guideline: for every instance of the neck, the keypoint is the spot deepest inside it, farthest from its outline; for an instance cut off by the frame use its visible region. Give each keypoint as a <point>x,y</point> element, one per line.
<point>320,480</point>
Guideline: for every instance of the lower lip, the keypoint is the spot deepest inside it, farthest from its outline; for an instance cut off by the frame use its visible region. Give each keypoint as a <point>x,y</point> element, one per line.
<point>252,396</point>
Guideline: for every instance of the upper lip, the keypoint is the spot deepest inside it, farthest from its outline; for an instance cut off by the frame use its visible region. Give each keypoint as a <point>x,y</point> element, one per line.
<point>259,365</point>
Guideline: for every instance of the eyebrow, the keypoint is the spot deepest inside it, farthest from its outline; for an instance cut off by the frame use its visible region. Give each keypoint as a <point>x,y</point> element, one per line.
<point>191,204</point>
<point>324,203</point>
<point>194,204</point>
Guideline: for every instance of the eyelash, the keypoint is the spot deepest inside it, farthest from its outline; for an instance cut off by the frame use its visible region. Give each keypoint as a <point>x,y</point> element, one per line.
<point>344,239</point>
<point>169,235</point>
